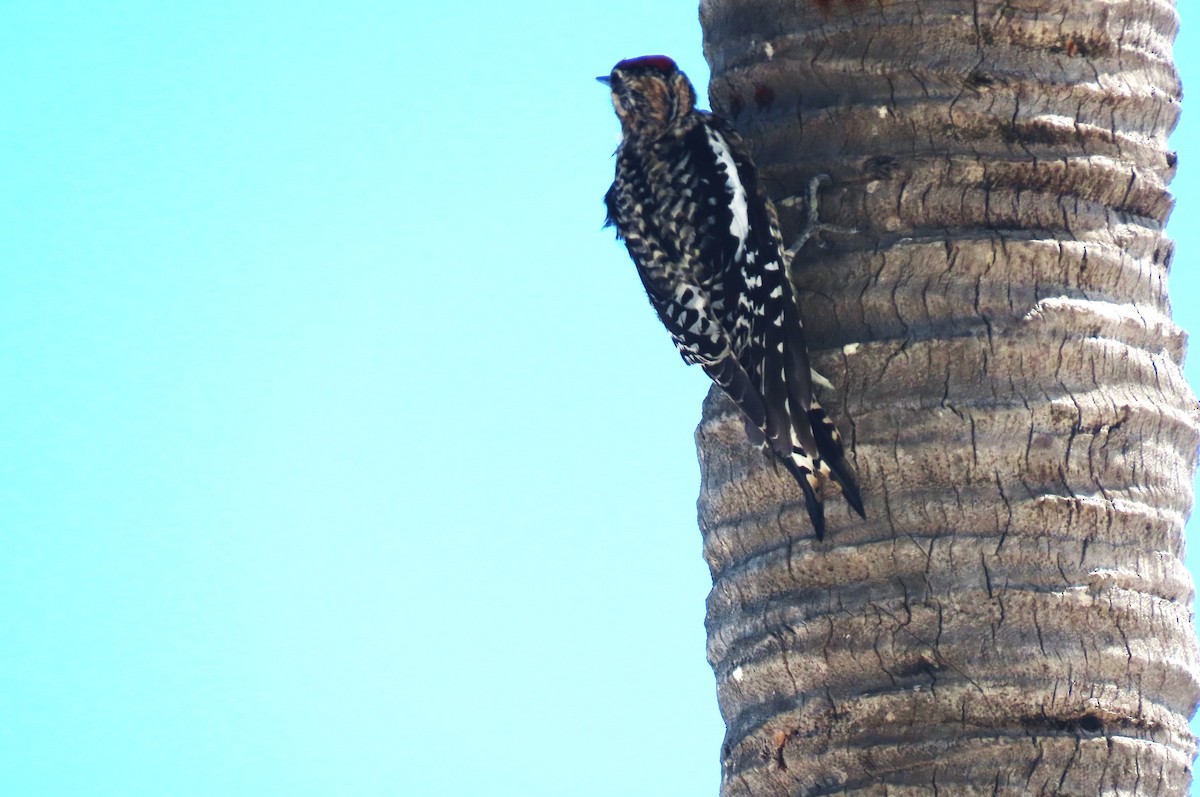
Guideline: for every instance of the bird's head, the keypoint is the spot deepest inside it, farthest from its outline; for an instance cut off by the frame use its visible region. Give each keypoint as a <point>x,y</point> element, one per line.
<point>649,94</point>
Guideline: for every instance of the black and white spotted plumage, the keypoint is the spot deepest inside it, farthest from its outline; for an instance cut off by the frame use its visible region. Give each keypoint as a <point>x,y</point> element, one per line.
<point>707,246</point>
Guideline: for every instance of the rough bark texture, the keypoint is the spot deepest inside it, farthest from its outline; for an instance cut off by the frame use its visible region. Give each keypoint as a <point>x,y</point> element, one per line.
<point>1014,617</point>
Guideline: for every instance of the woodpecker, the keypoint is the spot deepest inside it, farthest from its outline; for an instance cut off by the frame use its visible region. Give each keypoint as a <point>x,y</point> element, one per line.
<point>705,238</point>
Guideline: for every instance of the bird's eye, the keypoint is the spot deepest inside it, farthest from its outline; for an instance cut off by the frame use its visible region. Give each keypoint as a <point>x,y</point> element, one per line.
<point>616,84</point>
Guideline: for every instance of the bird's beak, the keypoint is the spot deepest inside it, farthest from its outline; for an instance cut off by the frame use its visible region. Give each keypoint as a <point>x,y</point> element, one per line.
<point>606,80</point>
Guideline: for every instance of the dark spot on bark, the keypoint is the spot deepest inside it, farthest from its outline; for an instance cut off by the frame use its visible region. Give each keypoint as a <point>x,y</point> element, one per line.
<point>1172,159</point>
<point>1074,46</point>
<point>1085,724</point>
<point>979,79</point>
<point>1036,132</point>
<point>1044,441</point>
<point>764,96</point>
<point>736,104</point>
<point>880,167</point>
<point>827,5</point>
<point>921,671</point>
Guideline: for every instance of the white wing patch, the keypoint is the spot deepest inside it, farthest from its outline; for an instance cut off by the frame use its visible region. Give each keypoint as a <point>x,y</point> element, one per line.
<point>739,228</point>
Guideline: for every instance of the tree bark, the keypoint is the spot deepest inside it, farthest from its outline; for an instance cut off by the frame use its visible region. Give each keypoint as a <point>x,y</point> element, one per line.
<point>1014,616</point>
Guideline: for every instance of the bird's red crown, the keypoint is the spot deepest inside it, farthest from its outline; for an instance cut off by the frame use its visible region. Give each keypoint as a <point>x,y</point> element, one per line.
<point>660,62</point>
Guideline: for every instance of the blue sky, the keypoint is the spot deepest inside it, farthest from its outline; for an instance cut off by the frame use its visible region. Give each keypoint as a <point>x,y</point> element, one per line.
<point>342,454</point>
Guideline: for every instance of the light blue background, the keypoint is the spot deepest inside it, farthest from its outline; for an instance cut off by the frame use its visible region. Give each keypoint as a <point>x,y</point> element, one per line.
<point>341,452</point>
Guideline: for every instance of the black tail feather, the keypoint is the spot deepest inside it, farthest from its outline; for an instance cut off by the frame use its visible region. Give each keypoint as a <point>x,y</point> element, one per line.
<point>829,446</point>
<point>735,382</point>
<point>816,509</point>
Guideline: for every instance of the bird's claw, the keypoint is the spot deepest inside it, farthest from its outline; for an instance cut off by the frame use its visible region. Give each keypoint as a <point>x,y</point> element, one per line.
<point>812,226</point>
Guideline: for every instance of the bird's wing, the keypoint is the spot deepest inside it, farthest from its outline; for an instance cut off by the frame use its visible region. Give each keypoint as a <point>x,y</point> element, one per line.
<point>768,337</point>
<point>683,275</point>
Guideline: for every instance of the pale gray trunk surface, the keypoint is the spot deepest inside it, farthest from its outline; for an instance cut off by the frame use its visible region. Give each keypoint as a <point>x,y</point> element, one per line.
<point>1014,616</point>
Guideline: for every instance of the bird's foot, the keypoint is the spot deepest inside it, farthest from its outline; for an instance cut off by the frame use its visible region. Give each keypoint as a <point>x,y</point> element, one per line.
<point>812,225</point>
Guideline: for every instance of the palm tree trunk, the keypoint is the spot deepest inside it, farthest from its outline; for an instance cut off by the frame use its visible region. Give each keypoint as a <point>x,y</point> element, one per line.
<point>1014,616</point>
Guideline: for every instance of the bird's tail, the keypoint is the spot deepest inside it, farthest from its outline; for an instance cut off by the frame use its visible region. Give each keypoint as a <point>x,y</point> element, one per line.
<point>833,455</point>
<point>827,463</point>
<point>805,470</point>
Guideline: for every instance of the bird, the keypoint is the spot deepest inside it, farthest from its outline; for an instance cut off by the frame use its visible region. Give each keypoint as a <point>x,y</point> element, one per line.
<point>705,239</point>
